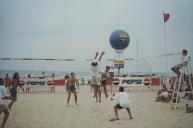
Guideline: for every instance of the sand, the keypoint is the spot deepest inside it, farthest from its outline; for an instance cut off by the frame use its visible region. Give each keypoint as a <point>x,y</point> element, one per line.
<point>49,110</point>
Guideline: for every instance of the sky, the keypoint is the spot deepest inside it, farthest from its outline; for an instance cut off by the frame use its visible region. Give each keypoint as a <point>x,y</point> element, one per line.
<point>78,28</point>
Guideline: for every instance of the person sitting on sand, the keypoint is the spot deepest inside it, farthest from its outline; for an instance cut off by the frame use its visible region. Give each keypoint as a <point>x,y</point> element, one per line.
<point>163,95</point>
<point>3,107</point>
<point>122,102</point>
<point>96,77</point>
<point>13,91</point>
<point>189,109</point>
<point>70,84</point>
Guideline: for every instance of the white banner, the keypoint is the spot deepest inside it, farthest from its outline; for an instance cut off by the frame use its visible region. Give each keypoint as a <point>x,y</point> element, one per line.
<point>132,81</point>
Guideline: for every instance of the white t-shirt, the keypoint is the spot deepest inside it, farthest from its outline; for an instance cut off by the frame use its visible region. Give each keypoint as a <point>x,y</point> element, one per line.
<point>165,94</point>
<point>95,70</point>
<point>184,61</point>
<point>2,94</point>
<point>122,99</point>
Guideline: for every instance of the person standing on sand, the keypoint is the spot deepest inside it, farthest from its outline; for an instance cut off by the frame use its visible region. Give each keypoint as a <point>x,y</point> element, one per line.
<point>66,76</point>
<point>65,80</point>
<point>104,76</point>
<point>70,84</point>
<point>96,77</point>
<point>122,102</point>
<point>43,75</point>
<point>3,107</point>
<point>53,84</point>
<point>7,81</point>
<point>13,91</point>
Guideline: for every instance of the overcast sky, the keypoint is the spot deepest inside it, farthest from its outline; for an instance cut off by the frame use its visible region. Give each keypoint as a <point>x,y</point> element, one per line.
<point>78,28</point>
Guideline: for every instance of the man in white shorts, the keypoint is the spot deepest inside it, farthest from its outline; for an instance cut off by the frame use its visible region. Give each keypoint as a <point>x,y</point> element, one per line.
<point>176,68</point>
<point>95,74</point>
<point>122,102</point>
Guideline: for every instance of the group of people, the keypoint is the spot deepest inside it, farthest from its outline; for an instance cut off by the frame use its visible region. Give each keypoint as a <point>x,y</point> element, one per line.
<point>165,95</point>
<point>100,79</point>
<point>121,97</point>
<point>12,85</point>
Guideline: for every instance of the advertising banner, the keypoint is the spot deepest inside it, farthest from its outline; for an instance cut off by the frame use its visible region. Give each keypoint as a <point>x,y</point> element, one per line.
<point>136,81</point>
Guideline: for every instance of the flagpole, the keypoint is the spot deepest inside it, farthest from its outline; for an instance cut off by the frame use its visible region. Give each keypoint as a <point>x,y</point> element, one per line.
<point>166,59</point>
<point>137,56</point>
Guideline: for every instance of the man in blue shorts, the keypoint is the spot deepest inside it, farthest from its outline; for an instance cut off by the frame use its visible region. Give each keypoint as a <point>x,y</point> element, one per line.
<point>70,84</point>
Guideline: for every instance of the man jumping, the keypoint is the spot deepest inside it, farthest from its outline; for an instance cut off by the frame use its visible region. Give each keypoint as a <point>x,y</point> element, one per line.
<point>96,77</point>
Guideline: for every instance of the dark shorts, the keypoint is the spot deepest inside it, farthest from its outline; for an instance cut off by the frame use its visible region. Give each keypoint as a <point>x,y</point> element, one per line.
<point>118,106</point>
<point>2,107</point>
<point>13,92</point>
<point>71,88</point>
<point>7,85</point>
<point>103,82</point>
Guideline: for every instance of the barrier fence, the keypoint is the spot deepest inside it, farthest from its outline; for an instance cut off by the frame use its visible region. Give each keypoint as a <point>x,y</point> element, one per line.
<point>37,89</point>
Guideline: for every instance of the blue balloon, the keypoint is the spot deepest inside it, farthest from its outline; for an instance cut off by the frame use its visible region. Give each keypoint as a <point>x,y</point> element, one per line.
<point>119,40</point>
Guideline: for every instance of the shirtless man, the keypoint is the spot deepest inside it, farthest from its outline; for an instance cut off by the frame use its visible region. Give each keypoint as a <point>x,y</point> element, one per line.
<point>13,90</point>
<point>65,80</point>
<point>70,84</point>
<point>104,77</point>
<point>7,81</point>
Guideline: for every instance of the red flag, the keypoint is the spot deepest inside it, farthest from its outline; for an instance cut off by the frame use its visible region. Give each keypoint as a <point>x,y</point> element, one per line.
<point>166,17</point>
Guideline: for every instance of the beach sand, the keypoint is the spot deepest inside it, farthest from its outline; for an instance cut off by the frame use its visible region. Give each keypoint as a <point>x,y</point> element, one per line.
<point>49,110</point>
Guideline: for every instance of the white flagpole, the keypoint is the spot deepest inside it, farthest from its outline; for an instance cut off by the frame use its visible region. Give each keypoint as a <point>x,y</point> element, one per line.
<point>166,59</point>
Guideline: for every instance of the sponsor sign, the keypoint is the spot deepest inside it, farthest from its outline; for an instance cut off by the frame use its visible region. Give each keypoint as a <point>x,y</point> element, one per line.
<point>119,63</point>
<point>147,81</point>
<point>42,81</point>
<point>136,81</point>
